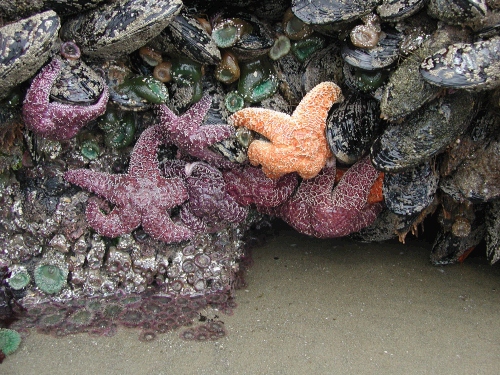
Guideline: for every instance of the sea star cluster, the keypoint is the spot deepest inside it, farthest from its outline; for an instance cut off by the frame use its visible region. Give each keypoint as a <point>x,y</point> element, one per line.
<point>211,198</point>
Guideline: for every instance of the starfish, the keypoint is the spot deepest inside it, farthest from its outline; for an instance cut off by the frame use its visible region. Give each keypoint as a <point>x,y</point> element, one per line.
<point>54,120</point>
<point>190,136</point>
<point>142,196</point>
<point>249,185</point>
<point>210,207</point>
<point>297,142</point>
<point>318,211</point>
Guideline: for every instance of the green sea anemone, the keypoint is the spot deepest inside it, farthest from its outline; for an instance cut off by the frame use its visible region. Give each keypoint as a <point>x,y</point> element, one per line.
<point>50,278</point>
<point>9,341</point>
<point>19,279</point>
<point>234,101</point>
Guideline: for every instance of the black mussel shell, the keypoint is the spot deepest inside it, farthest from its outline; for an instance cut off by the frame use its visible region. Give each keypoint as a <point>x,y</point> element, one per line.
<point>383,55</point>
<point>119,27</point>
<point>493,231</point>
<point>68,7</point>
<point>409,192</point>
<point>449,248</point>
<point>189,38</point>
<point>396,10</point>
<point>255,44</point>
<point>351,128</point>
<point>424,134</point>
<point>473,66</point>
<point>235,147</point>
<point>456,12</point>
<point>319,12</point>
<point>24,47</point>
<point>324,65</point>
<point>270,10</point>
<point>77,84</point>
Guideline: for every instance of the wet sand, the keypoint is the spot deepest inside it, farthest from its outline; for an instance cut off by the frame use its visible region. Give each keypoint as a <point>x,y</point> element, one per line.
<point>315,307</point>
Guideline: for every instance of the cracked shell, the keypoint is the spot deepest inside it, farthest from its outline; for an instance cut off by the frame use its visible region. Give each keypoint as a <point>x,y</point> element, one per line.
<point>77,84</point>
<point>120,27</point>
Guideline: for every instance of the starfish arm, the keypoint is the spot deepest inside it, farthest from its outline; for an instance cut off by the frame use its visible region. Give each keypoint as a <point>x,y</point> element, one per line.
<point>36,102</point>
<point>240,184</point>
<point>342,222</point>
<point>353,188</point>
<point>167,118</point>
<point>69,119</point>
<point>121,220</point>
<point>194,116</point>
<point>230,210</point>
<point>271,124</point>
<point>315,105</point>
<point>310,202</point>
<point>275,161</point>
<point>192,221</point>
<point>160,226</point>
<point>308,167</point>
<point>274,192</point>
<point>207,135</point>
<point>104,184</point>
<point>144,160</point>
<point>174,168</point>
<point>250,185</point>
<point>170,193</point>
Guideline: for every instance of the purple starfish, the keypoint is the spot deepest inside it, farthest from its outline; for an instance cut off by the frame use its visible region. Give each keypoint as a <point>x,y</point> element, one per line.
<point>318,211</point>
<point>142,196</point>
<point>54,120</point>
<point>210,207</point>
<point>193,138</point>
<point>249,185</point>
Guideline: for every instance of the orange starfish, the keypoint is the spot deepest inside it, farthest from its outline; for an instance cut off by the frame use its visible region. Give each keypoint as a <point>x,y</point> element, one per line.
<point>297,142</point>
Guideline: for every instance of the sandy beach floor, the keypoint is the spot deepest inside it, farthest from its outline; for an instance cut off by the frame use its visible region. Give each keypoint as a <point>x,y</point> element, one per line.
<point>315,307</point>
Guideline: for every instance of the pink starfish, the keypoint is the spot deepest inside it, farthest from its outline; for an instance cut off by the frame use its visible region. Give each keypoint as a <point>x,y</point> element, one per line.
<point>193,138</point>
<point>249,185</point>
<point>142,196</point>
<point>55,120</point>
<point>210,208</point>
<point>318,211</point>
